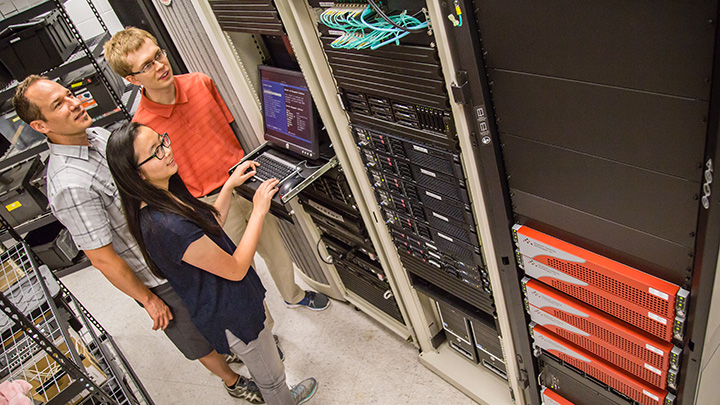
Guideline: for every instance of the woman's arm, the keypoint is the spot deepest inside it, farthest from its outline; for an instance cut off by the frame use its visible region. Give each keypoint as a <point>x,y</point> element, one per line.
<point>238,177</point>
<point>207,255</point>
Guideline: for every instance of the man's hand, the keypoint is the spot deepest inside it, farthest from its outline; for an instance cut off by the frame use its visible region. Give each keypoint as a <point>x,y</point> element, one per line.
<point>159,312</point>
<point>117,271</point>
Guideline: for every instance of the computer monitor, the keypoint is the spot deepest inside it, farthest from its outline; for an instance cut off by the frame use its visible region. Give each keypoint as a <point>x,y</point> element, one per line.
<point>289,116</point>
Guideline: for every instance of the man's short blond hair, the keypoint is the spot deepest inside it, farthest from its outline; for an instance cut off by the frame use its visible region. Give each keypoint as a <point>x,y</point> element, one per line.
<point>24,108</point>
<point>121,44</point>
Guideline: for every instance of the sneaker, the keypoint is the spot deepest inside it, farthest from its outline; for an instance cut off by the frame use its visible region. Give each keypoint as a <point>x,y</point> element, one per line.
<point>313,300</point>
<point>246,389</point>
<point>302,392</point>
<point>233,358</point>
<point>280,352</point>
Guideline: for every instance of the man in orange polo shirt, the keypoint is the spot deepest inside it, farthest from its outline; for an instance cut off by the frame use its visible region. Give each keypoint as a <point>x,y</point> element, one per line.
<point>190,109</point>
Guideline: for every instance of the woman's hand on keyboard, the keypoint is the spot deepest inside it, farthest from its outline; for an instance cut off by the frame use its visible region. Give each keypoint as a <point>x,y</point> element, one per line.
<point>243,172</point>
<point>264,194</point>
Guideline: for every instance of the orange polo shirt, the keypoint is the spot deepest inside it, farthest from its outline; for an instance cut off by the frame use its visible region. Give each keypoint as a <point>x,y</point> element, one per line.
<point>203,144</point>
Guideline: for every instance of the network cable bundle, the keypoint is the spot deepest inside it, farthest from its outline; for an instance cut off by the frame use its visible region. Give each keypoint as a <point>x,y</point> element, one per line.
<point>364,24</point>
<point>391,84</point>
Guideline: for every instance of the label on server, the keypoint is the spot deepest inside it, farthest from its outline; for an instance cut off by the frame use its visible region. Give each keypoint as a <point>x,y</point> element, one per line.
<point>428,173</point>
<point>436,215</point>
<point>435,196</point>
<point>651,395</point>
<point>434,255</point>
<point>420,149</point>
<point>653,369</point>
<point>657,318</point>
<point>654,349</point>
<point>658,293</point>
<point>13,206</point>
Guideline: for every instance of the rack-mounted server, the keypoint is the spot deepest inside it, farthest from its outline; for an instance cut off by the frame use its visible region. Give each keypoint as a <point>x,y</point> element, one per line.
<point>623,345</point>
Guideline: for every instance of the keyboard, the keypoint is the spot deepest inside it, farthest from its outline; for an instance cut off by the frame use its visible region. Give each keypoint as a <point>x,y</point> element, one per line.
<point>273,167</point>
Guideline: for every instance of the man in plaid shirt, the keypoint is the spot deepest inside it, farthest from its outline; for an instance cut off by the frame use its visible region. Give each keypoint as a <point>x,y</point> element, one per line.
<point>84,198</point>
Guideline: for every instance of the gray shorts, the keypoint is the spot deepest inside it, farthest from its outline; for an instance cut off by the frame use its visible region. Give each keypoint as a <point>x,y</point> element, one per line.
<point>181,331</point>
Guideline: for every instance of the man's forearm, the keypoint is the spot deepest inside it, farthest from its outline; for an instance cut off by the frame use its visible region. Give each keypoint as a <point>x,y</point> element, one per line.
<point>114,268</point>
<point>117,271</point>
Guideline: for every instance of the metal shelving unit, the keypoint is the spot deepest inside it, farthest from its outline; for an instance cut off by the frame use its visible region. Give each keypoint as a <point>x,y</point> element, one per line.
<point>50,340</point>
<point>88,52</point>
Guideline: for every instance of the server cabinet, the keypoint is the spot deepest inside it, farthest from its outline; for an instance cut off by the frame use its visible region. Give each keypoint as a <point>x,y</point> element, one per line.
<point>596,125</point>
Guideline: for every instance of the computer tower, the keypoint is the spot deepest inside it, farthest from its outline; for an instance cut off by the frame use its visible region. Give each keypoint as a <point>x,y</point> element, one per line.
<point>487,345</point>
<point>368,286</point>
<point>457,330</point>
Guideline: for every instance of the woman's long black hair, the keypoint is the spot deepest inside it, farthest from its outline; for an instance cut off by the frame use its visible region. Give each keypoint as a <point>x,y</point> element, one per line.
<point>134,190</point>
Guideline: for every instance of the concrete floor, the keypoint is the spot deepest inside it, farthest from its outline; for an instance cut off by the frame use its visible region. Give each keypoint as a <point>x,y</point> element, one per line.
<point>354,359</point>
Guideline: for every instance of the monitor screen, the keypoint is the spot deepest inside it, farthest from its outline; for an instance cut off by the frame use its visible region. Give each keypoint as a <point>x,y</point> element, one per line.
<point>288,113</point>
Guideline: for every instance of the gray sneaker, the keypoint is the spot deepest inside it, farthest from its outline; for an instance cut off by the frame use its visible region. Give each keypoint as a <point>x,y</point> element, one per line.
<point>280,352</point>
<point>315,301</point>
<point>304,390</point>
<point>234,358</point>
<point>246,389</point>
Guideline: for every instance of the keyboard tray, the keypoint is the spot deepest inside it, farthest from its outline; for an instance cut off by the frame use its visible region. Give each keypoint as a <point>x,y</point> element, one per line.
<point>310,172</point>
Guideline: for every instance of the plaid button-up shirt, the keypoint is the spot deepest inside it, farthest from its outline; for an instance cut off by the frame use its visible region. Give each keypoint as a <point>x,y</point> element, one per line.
<point>83,197</point>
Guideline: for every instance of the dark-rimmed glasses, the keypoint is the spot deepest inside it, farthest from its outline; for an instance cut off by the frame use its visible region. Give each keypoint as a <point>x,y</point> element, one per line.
<point>159,55</point>
<point>159,152</point>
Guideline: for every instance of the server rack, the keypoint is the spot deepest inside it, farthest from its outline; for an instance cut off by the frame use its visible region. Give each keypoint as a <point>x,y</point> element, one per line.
<point>681,249</point>
<point>332,207</point>
<point>301,25</point>
<point>403,127</point>
<point>583,150</point>
<point>422,316</point>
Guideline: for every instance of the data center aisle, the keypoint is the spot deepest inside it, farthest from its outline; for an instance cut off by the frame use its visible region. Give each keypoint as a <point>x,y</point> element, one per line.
<point>355,360</point>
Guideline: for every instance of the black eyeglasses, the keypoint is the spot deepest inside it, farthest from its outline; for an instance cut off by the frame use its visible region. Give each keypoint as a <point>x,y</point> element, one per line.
<point>159,153</point>
<point>159,55</point>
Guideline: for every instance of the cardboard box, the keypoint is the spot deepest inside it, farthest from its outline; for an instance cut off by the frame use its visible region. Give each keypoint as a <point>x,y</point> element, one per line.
<point>10,273</point>
<point>49,379</point>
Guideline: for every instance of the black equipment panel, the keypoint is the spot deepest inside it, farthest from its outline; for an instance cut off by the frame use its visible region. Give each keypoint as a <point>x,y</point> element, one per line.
<point>614,203</point>
<point>660,205</point>
<point>659,133</point>
<point>254,17</point>
<point>572,386</point>
<point>656,46</point>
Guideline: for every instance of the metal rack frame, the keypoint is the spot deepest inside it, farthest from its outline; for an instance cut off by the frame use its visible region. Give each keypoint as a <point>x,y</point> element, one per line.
<point>87,52</point>
<point>50,340</point>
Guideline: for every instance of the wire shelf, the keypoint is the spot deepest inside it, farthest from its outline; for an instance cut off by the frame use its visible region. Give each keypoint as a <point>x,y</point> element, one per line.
<point>51,341</point>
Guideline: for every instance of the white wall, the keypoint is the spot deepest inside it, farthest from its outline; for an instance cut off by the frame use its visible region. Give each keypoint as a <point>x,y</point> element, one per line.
<point>85,20</point>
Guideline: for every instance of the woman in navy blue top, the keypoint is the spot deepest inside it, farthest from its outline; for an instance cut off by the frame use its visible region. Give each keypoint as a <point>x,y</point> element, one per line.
<point>182,240</point>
